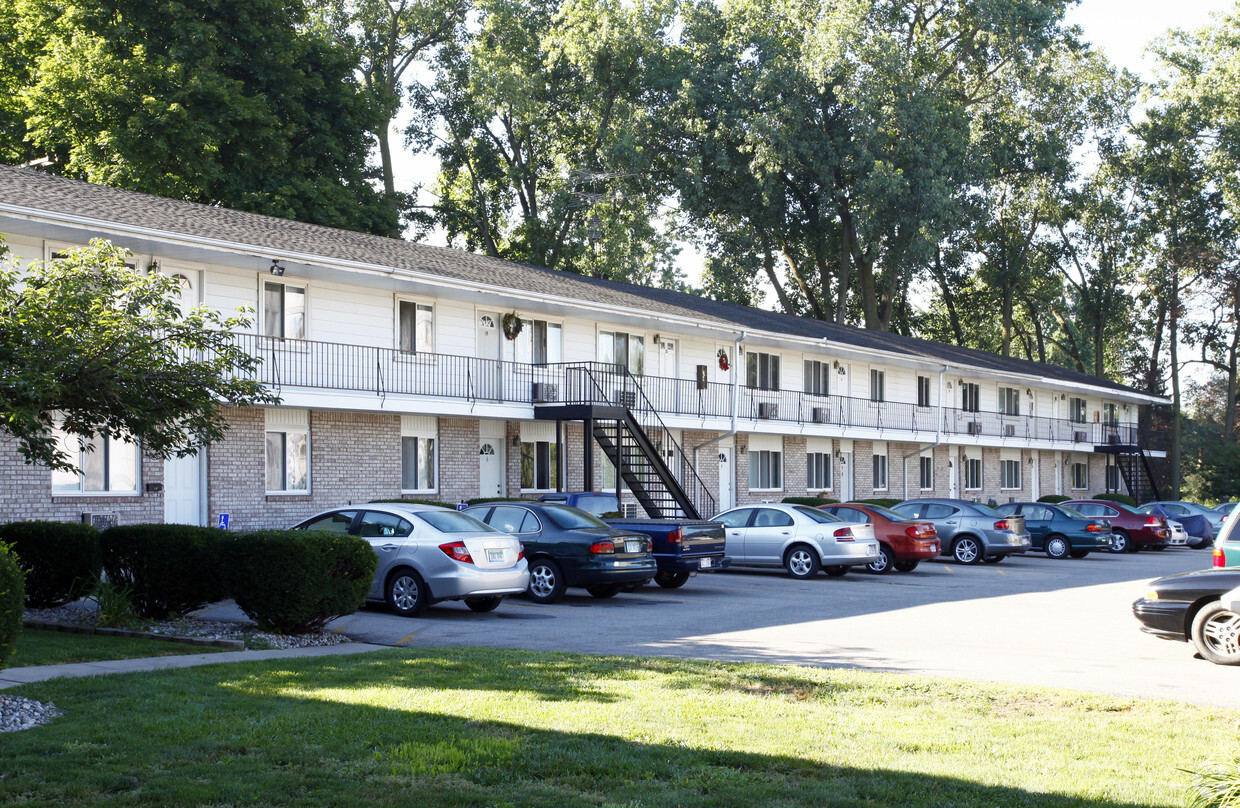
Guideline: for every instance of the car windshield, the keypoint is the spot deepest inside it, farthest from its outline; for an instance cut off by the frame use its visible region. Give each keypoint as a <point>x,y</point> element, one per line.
<point>817,515</point>
<point>570,518</point>
<point>986,510</point>
<point>894,516</point>
<point>454,522</point>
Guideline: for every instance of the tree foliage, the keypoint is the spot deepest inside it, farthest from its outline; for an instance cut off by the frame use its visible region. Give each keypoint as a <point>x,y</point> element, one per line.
<point>94,347</point>
<point>237,104</point>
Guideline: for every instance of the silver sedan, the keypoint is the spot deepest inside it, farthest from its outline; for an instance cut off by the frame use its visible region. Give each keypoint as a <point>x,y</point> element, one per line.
<point>801,539</point>
<point>428,554</point>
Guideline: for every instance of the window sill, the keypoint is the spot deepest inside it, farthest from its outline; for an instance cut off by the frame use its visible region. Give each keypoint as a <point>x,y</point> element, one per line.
<point>283,343</point>
<point>95,496</point>
<point>288,496</point>
<point>415,357</point>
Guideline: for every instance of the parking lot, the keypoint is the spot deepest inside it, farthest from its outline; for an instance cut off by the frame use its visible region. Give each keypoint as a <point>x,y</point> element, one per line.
<point>1029,620</point>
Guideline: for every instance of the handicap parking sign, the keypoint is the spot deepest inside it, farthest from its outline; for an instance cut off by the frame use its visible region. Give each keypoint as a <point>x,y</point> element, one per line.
<point>223,521</point>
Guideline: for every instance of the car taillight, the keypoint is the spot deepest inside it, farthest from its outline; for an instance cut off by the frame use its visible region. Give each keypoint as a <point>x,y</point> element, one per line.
<point>1098,528</point>
<point>1002,524</point>
<point>844,534</point>
<point>520,551</point>
<point>921,531</point>
<point>677,536</point>
<point>456,550</point>
<point>1155,522</point>
<point>1220,558</point>
<point>603,547</point>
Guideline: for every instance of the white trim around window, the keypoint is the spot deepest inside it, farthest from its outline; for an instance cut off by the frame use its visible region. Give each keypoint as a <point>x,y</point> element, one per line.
<point>414,331</point>
<point>105,466</point>
<point>287,451</point>
<point>283,308</point>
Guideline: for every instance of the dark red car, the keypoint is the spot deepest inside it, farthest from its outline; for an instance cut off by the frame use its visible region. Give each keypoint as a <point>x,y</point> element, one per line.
<point>905,542</point>
<point>1130,531</point>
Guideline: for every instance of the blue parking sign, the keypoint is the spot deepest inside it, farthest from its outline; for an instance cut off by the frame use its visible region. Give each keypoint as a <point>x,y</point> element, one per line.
<point>223,521</point>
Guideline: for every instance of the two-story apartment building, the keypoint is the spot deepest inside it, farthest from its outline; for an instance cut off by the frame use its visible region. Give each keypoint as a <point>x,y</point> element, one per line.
<point>409,370</point>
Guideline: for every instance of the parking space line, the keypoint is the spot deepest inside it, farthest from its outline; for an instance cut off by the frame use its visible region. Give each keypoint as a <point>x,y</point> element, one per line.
<point>407,638</point>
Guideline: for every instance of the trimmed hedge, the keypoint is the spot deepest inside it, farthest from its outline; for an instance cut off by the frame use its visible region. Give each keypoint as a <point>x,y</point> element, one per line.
<point>882,502</point>
<point>12,601</point>
<point>1053,498</point>
<point>448,505</point>
<point>296,581</point>
<point>1123,499</point>
<point>167,569</point>
<point>60,560</point>
<point>812,501</point>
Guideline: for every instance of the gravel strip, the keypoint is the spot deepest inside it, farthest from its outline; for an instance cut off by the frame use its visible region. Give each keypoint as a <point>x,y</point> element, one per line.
<point>17,713</point>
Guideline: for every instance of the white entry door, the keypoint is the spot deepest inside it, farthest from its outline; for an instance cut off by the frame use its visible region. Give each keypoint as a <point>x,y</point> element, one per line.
<point>183,490</point>
<point>953,478</point>
<point>490,468</point>
<point>846,477</point>
<point>727,494</point>
<point>487,377</point>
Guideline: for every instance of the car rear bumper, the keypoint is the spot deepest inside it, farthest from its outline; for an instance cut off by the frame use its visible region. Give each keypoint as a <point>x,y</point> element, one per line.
<point>851,554</point>
<point>707,562</point>
<point>602,570</point>
<point>915,550</point>
<point>475,583</point>
<point>1007,544</point>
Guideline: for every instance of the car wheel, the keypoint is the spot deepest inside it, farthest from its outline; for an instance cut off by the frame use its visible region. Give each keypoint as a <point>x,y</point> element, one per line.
<point>546,581</point>
<point>1057,547</point>
<point>993,558</point>
<point>801,561</point>
<point>1079,553</point>
<point>483,604</point>
<point>603,590</point>
<point>1120,541</point>
<point>1216,634</point>
<point>836,570</point>
<point>967,550</point>
<point>671,580</point>
<point>885,561</point>
<point>906,566</point>
<point>405,592</point>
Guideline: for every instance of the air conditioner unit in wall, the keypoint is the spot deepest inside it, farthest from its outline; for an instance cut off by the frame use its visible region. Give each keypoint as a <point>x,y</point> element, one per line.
<point>1009,430</point>
<point>543,392</point>
<point>625,398</point>
<point>822,415</point>
<point>975,427</point>
<point>1079,437</point>
<point>768,409</point>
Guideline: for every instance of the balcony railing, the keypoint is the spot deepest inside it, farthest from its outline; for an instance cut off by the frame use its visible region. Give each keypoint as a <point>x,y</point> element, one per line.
<point>387,371</point>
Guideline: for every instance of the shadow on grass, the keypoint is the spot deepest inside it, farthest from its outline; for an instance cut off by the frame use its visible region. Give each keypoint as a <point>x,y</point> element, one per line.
<point>402,728</point>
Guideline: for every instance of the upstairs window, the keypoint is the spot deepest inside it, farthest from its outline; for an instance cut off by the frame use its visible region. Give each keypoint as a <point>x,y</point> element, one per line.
<point>1009,401</point>
<point>762,371</point>
<point>878,383</point>
<point>284,311</point>
<point>923,391</point>
<point>970,397</point>
<point>625,350</point>
<point>817,378</point>
<point>541,343</point>
<point>417,327</point>
<point>1110,414</point>
<point>1076,410</point>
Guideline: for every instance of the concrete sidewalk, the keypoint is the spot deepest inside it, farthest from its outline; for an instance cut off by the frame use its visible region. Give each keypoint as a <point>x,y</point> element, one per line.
<point>20,676</point>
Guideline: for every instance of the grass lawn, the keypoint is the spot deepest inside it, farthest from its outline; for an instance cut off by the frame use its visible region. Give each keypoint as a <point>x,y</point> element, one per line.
<point>39,647</point>
<point>486,727</point>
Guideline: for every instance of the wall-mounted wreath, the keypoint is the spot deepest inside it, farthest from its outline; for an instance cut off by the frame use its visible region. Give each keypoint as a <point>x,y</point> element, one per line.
<point>512,325</point>
<point>723,359</point>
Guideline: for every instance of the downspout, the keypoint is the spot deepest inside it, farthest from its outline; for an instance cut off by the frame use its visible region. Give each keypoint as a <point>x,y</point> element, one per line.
<point>736,400</point>
<point>938,436</point>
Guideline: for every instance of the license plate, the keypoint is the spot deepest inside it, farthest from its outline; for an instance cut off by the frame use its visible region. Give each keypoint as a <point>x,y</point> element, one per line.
<point>495,556</point>
<point>705,563</point>
<point>632,547</point>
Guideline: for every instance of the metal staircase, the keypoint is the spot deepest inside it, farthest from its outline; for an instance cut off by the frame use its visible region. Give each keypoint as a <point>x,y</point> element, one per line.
<point>627,428</point>
<point>1138,475</point>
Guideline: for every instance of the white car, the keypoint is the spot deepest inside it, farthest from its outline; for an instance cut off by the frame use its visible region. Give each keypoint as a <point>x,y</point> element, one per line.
<point>801,539</point>
<point>1179,536</point>
<point>428,554</point>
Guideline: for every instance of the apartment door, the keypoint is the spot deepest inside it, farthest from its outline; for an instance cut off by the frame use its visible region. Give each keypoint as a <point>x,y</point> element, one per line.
<point>487,367</point>
<point>183,490</point>
<point>846,476</point>
<point>727,492</point>
<point>953,478</point>
<point>665,393</point>
<point>490,468</point>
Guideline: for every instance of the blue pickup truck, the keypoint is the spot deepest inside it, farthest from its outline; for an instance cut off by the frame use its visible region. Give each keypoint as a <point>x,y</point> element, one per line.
<point>682,547</point>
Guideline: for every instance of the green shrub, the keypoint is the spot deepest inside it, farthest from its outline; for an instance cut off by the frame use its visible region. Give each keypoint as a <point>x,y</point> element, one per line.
<point>484,500</point>
<point>166,569</point>
<point>1122,499</point>
<point>448,505</point>
<point>12,601</point>
<point>60,560</point>
<point>296,581</point>
<point>1053,498</point>
<point>812,501</point>
<point>882,502</point>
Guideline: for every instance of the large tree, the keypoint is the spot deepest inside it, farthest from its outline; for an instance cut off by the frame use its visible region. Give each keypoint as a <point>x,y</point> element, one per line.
<point>93,347</point>
<point>236,104</point>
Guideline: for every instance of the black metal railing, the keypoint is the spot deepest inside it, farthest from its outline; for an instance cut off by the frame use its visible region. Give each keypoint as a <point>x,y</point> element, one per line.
<point>388,371</point>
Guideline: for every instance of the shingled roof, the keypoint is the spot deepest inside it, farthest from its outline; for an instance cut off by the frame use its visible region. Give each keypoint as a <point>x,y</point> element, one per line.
<point>36,191</point>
